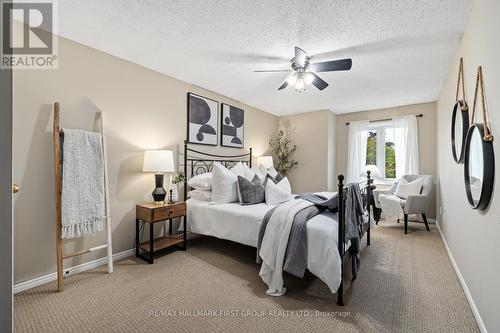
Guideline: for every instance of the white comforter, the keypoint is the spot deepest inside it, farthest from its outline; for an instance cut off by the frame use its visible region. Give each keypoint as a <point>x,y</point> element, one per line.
<point>242,224</point>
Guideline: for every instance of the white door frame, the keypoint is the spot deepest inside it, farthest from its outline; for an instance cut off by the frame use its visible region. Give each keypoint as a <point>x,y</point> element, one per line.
<point>6,200</point>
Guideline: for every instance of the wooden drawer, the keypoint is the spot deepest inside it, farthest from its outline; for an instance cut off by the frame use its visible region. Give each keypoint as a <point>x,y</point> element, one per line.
<point>169,212</point>
<point>151,213</point>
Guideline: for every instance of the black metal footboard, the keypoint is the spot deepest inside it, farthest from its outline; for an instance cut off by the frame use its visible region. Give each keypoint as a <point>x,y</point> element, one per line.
<point>342,192</point>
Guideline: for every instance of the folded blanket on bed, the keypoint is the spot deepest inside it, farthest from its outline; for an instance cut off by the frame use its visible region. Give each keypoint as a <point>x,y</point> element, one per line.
<point>274,243</point>
<point>319,200</point>
<point>356,215</point>
<point>295,260</point>
<point>82,198</point>
<point>296,250</point>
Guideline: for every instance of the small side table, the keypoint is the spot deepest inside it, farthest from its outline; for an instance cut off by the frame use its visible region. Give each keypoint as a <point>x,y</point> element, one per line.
<point>151,214</point>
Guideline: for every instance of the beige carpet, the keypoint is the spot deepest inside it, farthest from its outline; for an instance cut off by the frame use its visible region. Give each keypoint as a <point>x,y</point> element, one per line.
<point>406,284</point>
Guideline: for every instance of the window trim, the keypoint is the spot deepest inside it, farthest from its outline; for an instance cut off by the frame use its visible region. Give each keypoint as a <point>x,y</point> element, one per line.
<point>379,129</point>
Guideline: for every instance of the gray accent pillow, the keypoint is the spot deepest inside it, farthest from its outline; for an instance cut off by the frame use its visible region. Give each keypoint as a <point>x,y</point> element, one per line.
<point>250,192</point>
<point>275,180</point>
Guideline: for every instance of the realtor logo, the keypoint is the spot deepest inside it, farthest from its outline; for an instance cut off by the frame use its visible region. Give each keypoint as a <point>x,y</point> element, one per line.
<point>28,35</point>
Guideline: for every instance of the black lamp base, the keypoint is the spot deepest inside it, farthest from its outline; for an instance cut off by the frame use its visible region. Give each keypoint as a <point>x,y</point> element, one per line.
<point>170,197</point>
<point>159,192</point>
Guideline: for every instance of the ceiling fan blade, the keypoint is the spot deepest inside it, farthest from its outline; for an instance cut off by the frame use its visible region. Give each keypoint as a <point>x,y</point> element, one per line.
<point>334,65</point>
<point>300,57</point>
<point>319,82</point>
<point>272,70</point>
<point>283,86</point>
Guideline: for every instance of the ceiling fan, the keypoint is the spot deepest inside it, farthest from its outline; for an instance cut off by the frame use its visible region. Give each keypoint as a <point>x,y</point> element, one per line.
<point>303,73</point>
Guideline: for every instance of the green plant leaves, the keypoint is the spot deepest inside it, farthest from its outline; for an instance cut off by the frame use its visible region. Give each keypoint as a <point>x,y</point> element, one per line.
<point>282,149</point>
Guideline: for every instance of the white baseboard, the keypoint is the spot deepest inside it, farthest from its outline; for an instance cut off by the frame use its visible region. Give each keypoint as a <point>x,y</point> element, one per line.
<point>69,271</point>
<point>468,295</point>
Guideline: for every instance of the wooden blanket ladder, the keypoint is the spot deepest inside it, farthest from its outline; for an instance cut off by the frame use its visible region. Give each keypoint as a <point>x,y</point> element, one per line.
<point>58,166</point>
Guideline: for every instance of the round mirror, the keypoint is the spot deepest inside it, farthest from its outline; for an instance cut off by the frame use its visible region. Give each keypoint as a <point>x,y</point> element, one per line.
<point>479,167</point>
<point>459,127</point>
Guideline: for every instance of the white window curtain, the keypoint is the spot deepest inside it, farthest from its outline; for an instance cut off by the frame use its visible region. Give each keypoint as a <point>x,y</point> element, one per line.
<point>356,149</point>
<point>406,146</point>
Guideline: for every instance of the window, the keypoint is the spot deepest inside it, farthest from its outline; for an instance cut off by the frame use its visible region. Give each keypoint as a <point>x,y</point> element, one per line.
<point>380,149</point>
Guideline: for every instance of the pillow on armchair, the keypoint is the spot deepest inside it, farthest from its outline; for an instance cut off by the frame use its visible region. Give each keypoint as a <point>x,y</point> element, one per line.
<point>406,188</point>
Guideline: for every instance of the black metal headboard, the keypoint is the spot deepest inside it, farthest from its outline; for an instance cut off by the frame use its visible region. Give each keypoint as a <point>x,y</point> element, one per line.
<point>197,162</point>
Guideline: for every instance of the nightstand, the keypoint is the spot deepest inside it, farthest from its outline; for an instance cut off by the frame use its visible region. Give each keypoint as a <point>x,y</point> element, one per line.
<point>150,214</point>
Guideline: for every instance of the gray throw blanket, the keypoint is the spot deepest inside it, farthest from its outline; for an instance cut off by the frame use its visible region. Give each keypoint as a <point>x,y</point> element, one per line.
<point>355,216</point>
<point>321,201</point>
<point>82,199</point>
<point>296,252</point>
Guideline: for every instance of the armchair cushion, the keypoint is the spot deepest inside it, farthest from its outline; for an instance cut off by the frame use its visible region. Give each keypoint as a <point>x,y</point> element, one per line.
<point>416,204</point>
<point>406,188</point>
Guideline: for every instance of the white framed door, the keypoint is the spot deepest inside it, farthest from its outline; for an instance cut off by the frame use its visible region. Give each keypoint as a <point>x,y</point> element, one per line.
<point>6,190</point>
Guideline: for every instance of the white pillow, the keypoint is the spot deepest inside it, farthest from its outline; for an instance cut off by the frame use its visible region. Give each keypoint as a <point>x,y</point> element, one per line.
<point>271,171</point>
<point>257,171</point>
<point>201,195</point>
<point>248,173</point>
<point>263,170</point>
<point>278,193</point>
<point>224,184</point>
<point>238,169</point>
<point>201,182</point>
<point>405,189</point>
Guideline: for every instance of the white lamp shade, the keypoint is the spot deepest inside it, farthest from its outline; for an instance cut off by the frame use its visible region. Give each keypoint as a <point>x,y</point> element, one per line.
<point>158,161</point>
<point>266,161</point>
<point>374,171</point>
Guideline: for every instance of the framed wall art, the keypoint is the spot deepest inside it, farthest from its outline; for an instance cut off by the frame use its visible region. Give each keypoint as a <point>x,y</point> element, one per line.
<point>232,126</point>
<point>202,120</point>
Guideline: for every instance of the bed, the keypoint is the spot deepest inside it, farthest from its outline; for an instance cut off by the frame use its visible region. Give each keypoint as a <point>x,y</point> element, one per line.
<point>234,222</point>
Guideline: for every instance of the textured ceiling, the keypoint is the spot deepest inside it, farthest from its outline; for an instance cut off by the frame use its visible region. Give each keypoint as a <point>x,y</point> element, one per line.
<point>401,50</point>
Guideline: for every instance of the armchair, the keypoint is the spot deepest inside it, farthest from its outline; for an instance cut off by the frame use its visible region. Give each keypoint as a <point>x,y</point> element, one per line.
<point>413,204</point>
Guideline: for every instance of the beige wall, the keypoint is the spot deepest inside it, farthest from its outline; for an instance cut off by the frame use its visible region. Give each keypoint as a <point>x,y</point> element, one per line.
<point>312,133</point>
<point>145,110</point>
<point>472,236</point>
<point>332,150</point>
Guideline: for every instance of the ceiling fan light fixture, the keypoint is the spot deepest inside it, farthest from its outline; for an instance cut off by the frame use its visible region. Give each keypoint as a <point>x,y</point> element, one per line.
<point>304,73</point>
<point>308,78</point>
<point>292,79</point>
<point>299,85</point>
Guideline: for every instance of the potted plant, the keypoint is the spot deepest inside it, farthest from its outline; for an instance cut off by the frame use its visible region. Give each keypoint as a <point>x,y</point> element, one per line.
<point>180,177</point>
<point>282,150</point>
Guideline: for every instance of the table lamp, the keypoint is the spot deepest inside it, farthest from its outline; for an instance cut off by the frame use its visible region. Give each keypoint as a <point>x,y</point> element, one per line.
<point>159,162</point>
<point>374,171</point>
<point>266,161</point>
